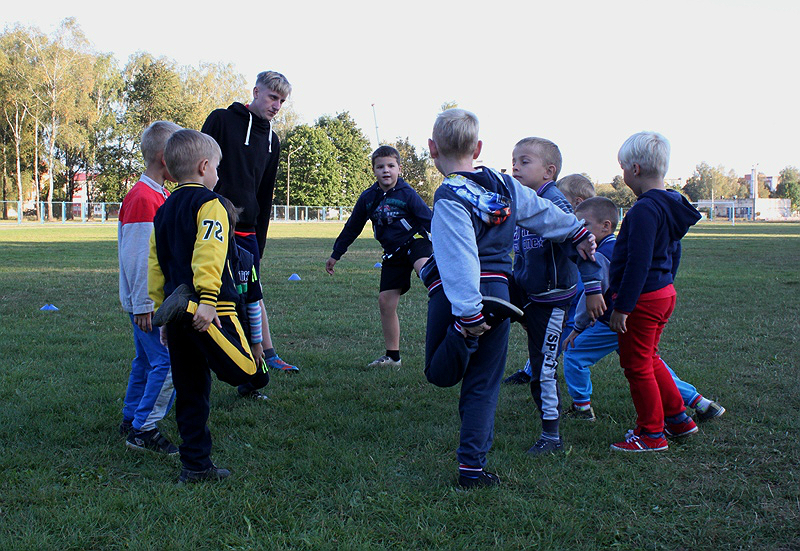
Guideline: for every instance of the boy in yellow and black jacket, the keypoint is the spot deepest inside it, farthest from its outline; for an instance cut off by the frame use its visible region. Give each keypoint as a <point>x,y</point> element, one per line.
<point>190,253</point>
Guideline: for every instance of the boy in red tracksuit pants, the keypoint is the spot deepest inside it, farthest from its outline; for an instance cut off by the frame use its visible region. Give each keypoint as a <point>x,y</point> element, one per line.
<point>641,274</point>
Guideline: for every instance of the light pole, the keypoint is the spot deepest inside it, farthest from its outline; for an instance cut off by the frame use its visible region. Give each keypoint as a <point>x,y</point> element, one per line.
<point>374,116</point>
<point>288,174</point>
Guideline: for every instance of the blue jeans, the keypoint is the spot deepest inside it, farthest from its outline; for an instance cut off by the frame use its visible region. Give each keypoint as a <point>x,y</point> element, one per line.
<point>591,346</point>
<point>150,393</point>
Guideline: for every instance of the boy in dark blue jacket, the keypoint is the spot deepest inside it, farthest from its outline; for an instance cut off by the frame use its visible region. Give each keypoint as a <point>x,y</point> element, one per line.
<point>545,282</point>
<point>401,222</point>
<point>641,274</point>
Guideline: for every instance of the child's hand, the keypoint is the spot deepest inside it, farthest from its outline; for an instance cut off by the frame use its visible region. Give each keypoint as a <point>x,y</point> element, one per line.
<point>617,323</point>
<point>329,265</point>
<point>570,340</point>
<point>587,247</point>
<point>144,321</point>
<point>162,335</point>
<point>595,306</point>
<point>205,315</point>
<point>257,350</point>
<point>476,330</point>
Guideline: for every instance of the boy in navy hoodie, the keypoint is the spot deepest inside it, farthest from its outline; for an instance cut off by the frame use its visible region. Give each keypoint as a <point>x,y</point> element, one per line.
<point>642,271</point>
<point>590,342</point>
<point>401,222</point>
<point>474,216</point>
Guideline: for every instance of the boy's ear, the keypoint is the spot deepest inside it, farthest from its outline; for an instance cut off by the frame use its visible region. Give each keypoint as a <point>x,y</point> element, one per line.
<point>433,149</point>
<point>551,171</point>
<point>579,200</point>
<point>636,169</point>
<point>202,167</point>
<point>477,152</point>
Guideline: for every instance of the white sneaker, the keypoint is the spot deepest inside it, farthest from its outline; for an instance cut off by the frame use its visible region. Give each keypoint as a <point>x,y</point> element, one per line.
<point>385,361</point>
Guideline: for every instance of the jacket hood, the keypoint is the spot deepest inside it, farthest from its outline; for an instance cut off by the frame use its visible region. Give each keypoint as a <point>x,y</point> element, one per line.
<point>254,122</point>
<point>682,214</point>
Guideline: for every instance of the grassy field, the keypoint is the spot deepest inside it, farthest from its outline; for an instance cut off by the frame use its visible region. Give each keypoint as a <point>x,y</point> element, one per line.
<point>342,457</point>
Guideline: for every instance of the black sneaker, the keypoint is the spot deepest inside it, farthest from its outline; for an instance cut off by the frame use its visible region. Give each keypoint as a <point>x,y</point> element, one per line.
<point>125,427</point>
<point>714,410</point>
<point>150,440</point>
<point>484,480</point>
<point>253,395</point>
<point>518,378</point>
<point>496,310</point>
<point>544,446</point>
<point>213,473</point>
<point>174,306</point>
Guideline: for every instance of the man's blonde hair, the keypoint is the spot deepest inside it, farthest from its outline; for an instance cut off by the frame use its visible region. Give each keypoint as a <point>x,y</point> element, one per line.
<point>184,151</point>
<point>547,150</point>
<point>275,82</point>
<point>154,139</point>
<point>455,132</point>
<point>576,186</point>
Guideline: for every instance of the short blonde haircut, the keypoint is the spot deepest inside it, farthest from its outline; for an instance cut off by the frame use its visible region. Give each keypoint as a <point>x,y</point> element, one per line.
<point>185,150</point>
<point>154,139</point>
<point>576,186</point>
<point>275,82</point>
<point>649,150</point>
<point>455,133</point>
<point>547,150</point>
<point>600,209</point>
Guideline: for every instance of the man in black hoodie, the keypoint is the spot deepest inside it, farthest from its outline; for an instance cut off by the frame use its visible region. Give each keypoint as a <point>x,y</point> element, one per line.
<point>247,172</point>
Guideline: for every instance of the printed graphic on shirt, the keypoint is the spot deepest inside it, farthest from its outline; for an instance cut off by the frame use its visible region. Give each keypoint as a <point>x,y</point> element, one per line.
<point>525,241</point>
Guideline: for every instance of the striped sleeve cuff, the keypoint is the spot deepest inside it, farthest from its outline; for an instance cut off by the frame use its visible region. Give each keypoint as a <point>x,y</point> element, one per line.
<point>208,298</point>
<point>580,235</point>
<point>471,321</point>
<point>593,287</point>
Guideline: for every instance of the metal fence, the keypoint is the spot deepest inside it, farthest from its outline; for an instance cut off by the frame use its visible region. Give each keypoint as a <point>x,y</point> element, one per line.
<point>78,212</point>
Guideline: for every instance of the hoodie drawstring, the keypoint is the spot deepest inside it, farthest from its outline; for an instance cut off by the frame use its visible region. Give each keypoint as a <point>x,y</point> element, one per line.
<point>249,126</point>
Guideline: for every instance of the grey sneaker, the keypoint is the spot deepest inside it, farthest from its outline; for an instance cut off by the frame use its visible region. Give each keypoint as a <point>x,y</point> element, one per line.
<point>544,446</point>
<point>714,410</point>
<point>582,414</point>
<point>212,473</point>
<point>150,440</point>
<point>385,361</point>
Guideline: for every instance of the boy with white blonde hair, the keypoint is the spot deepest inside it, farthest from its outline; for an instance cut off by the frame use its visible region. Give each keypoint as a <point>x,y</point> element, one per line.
<point>474,216</point>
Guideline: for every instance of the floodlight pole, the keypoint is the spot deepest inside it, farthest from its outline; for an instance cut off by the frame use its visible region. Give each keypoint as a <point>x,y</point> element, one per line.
<point>288,174</point>
<point>374,116</point>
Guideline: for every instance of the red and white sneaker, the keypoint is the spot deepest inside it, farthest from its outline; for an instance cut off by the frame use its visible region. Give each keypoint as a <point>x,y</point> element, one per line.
<point>678,430</point>
<point>640,443</point>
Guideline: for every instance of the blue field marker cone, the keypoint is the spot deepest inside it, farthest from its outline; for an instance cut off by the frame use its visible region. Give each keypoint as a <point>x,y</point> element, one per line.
<point>49,308</point>
<point>294,277</point>
<point>377,265</point>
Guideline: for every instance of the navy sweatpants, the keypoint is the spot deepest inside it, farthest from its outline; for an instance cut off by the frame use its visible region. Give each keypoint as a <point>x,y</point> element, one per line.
<point>193,356</point>
<point>477,362</point>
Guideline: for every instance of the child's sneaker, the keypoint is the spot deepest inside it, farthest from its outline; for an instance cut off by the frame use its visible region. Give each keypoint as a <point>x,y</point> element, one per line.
<point>581,414</point>
<point>174,306</point>
<point>385,361</point>
<point>253,395</point>
<point>640,443</point>
<point>125,427</point>
<point>275,362</point>
<point>714,410</point>
<point>151,440</point>
<point>678,430</point>
<point>545,445</point>
<point>496,310</point>
<point>483,479</point>
<point>518,378</point>
<point>212,473</point>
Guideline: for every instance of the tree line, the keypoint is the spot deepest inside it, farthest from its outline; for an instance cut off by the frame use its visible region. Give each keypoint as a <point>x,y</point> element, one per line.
<point>68,109</point>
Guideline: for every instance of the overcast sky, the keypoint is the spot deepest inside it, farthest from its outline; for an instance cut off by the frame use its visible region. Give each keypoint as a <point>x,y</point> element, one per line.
<point>719,78</point>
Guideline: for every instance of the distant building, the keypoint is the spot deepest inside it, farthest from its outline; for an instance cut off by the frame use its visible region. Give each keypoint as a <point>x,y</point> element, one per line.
<point>765,209</point>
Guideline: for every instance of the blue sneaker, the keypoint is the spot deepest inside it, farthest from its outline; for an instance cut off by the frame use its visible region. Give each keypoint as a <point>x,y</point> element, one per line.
<point>275,362</point>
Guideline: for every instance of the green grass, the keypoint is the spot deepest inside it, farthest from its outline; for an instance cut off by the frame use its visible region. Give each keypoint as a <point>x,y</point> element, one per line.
<point>346,458</point>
